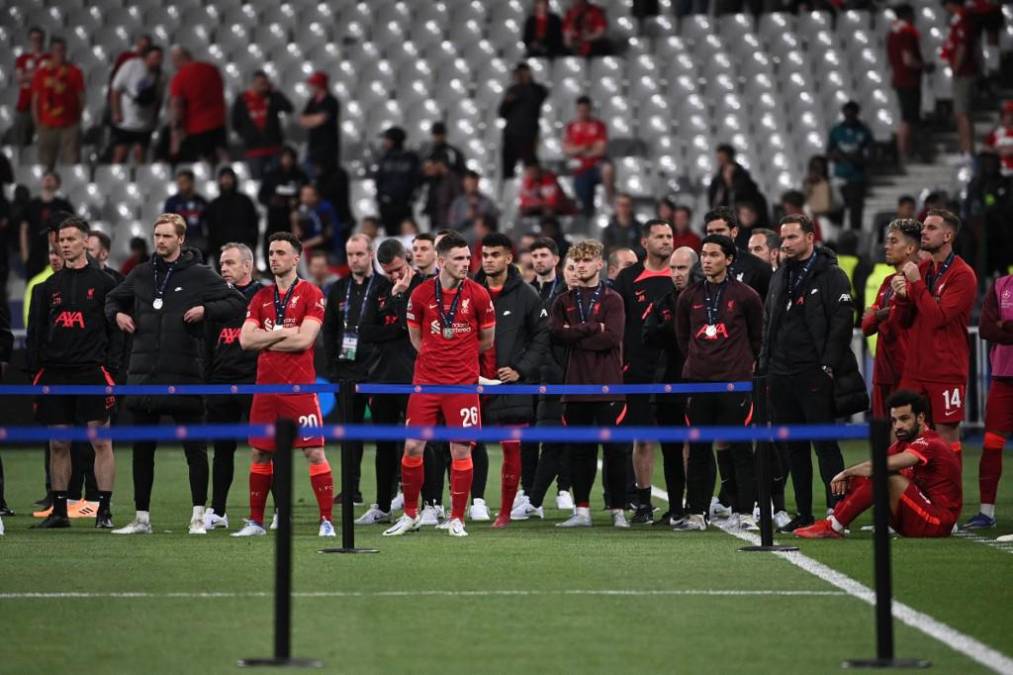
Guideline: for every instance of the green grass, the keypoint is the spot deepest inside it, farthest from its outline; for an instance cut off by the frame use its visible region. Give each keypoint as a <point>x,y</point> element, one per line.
<point>959,582</point>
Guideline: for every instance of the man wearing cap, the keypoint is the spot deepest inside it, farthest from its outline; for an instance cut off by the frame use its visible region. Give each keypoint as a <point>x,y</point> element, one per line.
<point>320,119</point>
<point>397,176</point>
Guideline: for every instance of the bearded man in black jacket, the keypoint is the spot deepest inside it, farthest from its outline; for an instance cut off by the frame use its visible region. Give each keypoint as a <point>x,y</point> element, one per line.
<point>163,303</point>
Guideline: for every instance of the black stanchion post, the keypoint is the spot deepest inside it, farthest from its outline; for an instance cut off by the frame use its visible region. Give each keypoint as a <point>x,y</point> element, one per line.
<point>285,431</point>
<point>879,432</point>
<point>346,398</point>
<point>761,418</point>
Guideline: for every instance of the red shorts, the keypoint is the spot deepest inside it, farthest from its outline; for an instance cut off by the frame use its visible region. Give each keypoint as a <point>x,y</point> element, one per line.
<point>946,401</point>
<point>918,517</point>
<point>999,407</point>
<point>880,393</point>
<point>460,411</point>
<point>302,408</point>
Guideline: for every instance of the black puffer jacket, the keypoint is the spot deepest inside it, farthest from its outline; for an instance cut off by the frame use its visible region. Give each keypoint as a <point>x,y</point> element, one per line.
<point>522,342</point>
<point>165,349</point>
<point>829,315</point>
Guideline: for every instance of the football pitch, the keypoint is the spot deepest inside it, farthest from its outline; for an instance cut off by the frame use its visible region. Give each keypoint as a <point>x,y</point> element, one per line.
<point>531,598</point>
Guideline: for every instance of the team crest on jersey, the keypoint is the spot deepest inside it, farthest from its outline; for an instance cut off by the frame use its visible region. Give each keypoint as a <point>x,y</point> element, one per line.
<point>465,304</point>
<point>91,294</point>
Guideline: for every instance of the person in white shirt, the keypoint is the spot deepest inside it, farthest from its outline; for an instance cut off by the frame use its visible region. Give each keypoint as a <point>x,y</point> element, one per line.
<point>138,89</point>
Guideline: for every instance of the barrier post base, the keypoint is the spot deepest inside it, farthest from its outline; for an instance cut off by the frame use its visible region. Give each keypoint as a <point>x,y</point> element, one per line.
<point>886,663</point>
<point>348,550</point>
<point>280,663</point>
<point>773,548</point>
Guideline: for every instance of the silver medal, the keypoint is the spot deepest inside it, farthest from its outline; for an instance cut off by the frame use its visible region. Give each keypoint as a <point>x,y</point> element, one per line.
<point>278,326</point>
<point>788,308</point>
<point>711,330</point>
<point>448,333</point>
<point>157,304</point>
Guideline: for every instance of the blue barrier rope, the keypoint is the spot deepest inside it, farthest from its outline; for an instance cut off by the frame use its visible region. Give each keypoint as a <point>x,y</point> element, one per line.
<point>230,389</point>
<point>369,432</point>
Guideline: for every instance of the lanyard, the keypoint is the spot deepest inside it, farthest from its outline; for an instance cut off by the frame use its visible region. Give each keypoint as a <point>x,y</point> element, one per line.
<point>447,319</point>
<point>552,290</point>
<point>795,282</point>
<point>931,279</point>
<point>586,311</point>
<point>348,299</point>
<point>280,305</point>
<point>160,288</point>
<point>713,306</point>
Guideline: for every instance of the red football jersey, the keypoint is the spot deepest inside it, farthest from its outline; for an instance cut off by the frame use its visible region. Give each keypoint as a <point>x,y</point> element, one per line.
<point>585,134</point>
<point>894,337</point>
<point>454,360</point>
<point>307,303</point>
<point>937,473</point>
<point>939,329</point>
<point>903,39</point>
<point>27,63</point>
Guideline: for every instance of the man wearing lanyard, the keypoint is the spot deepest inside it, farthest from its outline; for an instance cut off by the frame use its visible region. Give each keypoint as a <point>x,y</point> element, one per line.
<point>346,355</point>
<point>719,327</point>
<point>938,294</point>
<point>807,355</point>
<point>282,324</point>
<point>451,320</point>
<point>161,304</point>
<point>903,239</point>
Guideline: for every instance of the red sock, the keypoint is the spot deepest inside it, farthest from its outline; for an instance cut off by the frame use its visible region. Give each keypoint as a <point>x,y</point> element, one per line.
<point>510,476</point>
<point>461,472</point>
<point>323,487</point>
<point>990,467</point>
<point>858,499</point>
<point>412,477</point>
<point>261,477</point>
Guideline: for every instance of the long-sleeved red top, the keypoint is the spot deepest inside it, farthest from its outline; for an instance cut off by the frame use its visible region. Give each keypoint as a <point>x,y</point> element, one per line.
<point>938,350</point>
<point>595,345</point>
<point>725,350</point>
<point>894,338</point>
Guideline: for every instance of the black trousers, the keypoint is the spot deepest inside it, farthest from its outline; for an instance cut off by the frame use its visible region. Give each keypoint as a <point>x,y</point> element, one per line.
<point>583,456</point>
<point>82,472</point>
<point>356,416</point>
<point>3,500</point>
<point>806,398</point>
<point>554,461</point>
<point>517,149</point>
<point>480,476</point>
<point>437,464</point>
<point>854,202</point>
<point>225,410</point>
<point>721,410</point>
<point>671,412</point>
<point>144,461</point>
<point>387,409</point>
<point>393,213</point>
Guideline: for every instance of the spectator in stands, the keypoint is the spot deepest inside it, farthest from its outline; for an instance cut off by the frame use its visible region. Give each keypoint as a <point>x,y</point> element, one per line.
<point>197,110</point>
<point>397,179</point>
<point>142,43</point>
<point>934,200</point>
<point>99,246</point>
<point>623,229</point>
<point>138,254</point>
<point>793,204</point>
<point>24,68</point>
<point>906,207</point>
<point>471,203</point>
<point>848,148</point>
<point>731,182</point>
<point>963,52</point>
<point>819,193</point>
<point>1000,139</point>
<point>441,150</point>
<point>279,193</point>
<point>682,228</point>
<point>256,117</point>
<point>618,260</point>
<point>521,107</point>
<point>442,188</point>
<point>332,184</point>
<point>585,142</point>
<point>57,104</point>
<point>370,226</point>
<point>750,216</point>
<point>543,32</point>
<point>584,28</point>
<point>550,229</point>
<point>904,51</point>
<point>231,216</point>
<point>136,96</point>
<point>190,204</point>
<point>987,209</point>
<point>766,245</point>
<point>315,221</point>
<point>320,272</point>
<point>37,223</point>
<point>320,118</point>
<point>541,193</point>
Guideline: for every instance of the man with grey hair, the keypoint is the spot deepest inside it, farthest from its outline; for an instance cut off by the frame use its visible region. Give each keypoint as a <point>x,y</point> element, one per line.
<point>766,245</point>
<point>228,364</point>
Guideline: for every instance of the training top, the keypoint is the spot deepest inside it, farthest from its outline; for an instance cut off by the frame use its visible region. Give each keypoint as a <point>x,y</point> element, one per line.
<point>451,360</point>
<point>306,304</point>
<point>937,473</point>
<point>726,349</point>
<point>640,289</point>
<point>894,337</point>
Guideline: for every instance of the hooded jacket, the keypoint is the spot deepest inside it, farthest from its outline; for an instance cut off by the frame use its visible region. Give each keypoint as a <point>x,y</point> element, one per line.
<point>165,349</point>
<point>522,343</point>
<point>824,298</point>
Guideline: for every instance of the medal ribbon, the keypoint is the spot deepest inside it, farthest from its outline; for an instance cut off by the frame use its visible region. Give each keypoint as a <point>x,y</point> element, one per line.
<point>713,306</point>
<point>585,312</point>
<point>795,282</point>
<point>160,288</point>
<point>931,279</point>
<point>447,318</point>
<point>281,305</point>
<point>348,300</point>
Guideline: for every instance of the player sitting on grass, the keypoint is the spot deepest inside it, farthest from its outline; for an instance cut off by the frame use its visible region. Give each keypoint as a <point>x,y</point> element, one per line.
<point>925,488</point>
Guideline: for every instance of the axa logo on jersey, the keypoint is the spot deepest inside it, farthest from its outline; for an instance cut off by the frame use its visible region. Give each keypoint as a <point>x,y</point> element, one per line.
<point>68,319</point>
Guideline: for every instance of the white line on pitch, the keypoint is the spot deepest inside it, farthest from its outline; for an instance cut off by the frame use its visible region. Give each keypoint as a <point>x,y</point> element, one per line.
<point>949,636</point>
<point>987,541</point>
<point>411,594</point>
